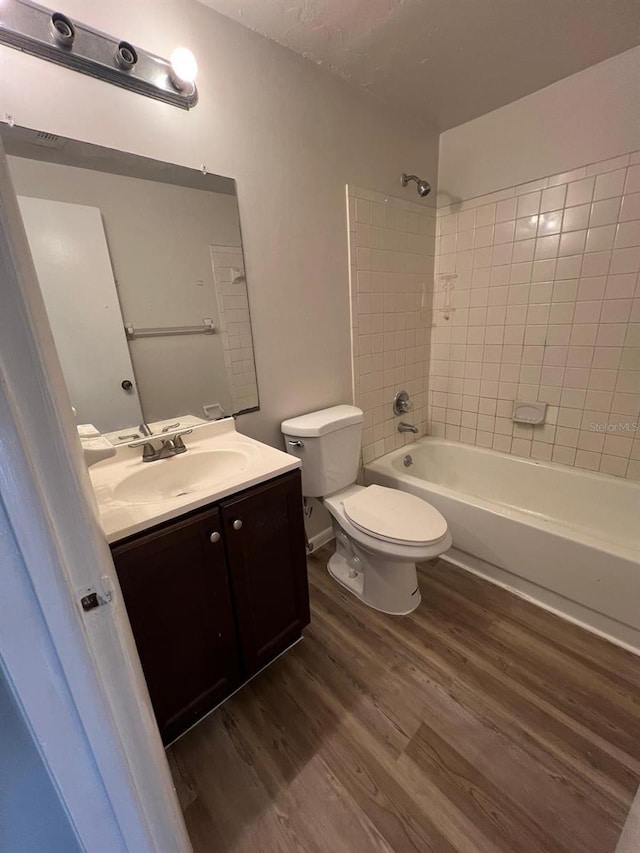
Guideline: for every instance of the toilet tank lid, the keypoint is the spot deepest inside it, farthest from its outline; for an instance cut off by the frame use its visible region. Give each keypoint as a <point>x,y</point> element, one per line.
<point>323,421</point>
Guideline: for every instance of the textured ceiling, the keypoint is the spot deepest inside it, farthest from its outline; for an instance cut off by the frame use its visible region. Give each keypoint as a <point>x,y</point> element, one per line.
<point>446,60</point>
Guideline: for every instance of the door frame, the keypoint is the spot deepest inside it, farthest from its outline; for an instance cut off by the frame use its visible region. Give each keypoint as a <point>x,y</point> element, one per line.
<point>76,676</point>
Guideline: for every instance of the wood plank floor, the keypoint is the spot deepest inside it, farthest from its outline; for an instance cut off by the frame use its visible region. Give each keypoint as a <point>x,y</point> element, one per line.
<point>479,724</point>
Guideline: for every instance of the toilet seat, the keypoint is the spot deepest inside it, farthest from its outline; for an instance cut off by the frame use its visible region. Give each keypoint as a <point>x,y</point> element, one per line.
<point>395,516</point>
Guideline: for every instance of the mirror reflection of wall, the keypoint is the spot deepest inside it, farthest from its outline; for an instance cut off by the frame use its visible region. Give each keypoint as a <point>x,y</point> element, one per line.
<point>147,254</point>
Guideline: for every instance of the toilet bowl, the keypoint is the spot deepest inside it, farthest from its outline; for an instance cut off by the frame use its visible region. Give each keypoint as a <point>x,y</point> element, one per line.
<point>380,536</point>
<point>380,533</point>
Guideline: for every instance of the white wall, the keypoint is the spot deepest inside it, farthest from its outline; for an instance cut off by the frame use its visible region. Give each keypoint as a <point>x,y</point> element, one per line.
<point>593,115</point>
<point>291,134</point>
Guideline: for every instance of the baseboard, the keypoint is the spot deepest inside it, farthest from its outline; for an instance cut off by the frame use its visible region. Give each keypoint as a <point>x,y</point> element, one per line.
<point>320,539</point>
<point>597,623</point>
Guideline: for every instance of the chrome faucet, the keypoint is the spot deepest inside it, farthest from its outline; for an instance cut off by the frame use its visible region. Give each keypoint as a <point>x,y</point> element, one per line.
<point>403,427</point>
<point>145,429</point>
<point>168,447</point>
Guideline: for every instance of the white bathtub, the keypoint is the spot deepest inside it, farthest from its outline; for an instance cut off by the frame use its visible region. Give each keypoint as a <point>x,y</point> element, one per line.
<point>565,538</point>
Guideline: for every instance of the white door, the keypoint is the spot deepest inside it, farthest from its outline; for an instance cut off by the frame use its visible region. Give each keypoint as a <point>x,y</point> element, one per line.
<point>76,675</point>
<point>70,253</point>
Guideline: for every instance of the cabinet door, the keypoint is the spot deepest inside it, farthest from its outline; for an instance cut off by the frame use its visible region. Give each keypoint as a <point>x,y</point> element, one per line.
<point>176,590</point>
<point>264,537</point>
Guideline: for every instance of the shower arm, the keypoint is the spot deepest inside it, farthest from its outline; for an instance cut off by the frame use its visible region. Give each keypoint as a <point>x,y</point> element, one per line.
<point>424,187</point>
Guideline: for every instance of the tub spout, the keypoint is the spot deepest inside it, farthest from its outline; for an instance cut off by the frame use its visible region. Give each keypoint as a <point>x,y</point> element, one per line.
<point>403,427</point>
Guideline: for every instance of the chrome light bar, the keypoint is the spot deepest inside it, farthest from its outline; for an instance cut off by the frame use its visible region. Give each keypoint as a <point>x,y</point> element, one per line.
<point>53,36</point>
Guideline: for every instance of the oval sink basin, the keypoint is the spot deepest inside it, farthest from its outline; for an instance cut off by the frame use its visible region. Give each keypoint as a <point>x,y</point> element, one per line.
<point>179,476</point>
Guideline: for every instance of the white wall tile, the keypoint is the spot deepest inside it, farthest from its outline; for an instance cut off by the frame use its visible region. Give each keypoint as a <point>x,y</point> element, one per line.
<point>466,220</point>
<point>501,254</point>
<point>608,165</point>
<point>601,238</point>
<point>596,264</point>
<point>547,223</point>
<point>485,215</point>
<point>547,305</point>
<point>630,207</point>
<point>613,465</point>
<point>576,218</point>
<point>553,198</point>
<point>625,261</point>
<point>609,184</point>
<point>566,177</point>
<point>506,209</point>
<point>580,192</point>
<point>572,243</point>
<point>391,282</point>
<point>606,212</point>
<point>547,247</point>
<point>628,234</point>
<point>632,183</point>
<point>528,204</point>
<point>569,266</point>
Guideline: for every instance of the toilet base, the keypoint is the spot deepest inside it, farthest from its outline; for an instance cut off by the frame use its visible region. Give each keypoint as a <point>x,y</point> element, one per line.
<point>388,585</point>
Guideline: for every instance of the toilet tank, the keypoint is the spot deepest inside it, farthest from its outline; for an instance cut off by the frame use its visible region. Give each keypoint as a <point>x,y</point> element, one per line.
<point>328,444</point>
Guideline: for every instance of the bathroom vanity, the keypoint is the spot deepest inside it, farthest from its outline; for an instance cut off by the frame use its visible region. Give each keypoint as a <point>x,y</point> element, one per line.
<point>205,524</point>
<point>215,579</point>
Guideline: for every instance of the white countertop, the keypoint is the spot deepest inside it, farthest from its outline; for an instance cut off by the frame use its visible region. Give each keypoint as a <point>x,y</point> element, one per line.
<point>121,518</point>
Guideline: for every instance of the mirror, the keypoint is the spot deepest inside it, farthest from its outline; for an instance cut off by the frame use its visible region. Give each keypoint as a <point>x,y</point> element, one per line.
<point>142,272</point>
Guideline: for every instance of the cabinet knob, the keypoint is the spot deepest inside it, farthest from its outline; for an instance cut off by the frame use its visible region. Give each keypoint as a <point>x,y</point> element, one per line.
<point>214,537</point>
<point>237,524</point>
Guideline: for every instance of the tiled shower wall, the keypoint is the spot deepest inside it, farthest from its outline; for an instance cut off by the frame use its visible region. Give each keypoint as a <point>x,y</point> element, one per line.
<point>392,246</point>
<point>546,306</point>
<point>235,325</point>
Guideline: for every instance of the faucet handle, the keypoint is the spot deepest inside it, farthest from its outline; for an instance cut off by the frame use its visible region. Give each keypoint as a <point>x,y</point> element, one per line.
<point>401,403</point>
<point>178,441</point>
<point>148,452</point>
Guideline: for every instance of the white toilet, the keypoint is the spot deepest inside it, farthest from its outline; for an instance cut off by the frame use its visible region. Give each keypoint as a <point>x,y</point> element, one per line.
<point>380,533</point>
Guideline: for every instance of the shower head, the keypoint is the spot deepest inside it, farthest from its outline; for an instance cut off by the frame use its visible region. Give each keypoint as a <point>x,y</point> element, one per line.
<point>424,188</point>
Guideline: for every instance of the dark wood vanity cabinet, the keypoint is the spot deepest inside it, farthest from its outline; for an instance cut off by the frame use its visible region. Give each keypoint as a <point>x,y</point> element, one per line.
<point>176,590</point>
<point>214,596</point>
<point>264,535</point>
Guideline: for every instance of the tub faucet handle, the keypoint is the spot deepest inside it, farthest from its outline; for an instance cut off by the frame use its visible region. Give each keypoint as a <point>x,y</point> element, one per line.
<point>401,403</point>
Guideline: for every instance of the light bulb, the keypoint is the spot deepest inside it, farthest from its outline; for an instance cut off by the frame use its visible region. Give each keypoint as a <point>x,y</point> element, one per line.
<point>184,69</point>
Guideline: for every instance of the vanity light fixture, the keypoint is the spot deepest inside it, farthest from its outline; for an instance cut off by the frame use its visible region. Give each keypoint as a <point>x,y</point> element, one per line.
<point>53,36</point>
<point>184,69</point>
